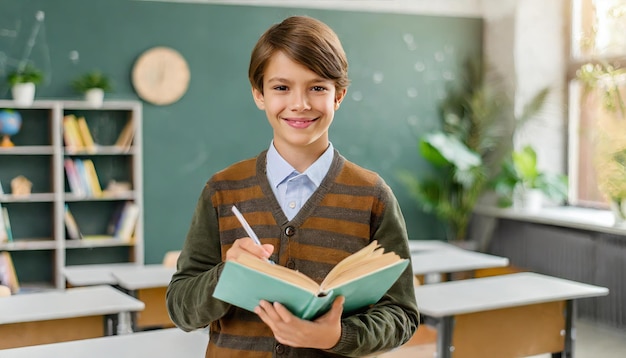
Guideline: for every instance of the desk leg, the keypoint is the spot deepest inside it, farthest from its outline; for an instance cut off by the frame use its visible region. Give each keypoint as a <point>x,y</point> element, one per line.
<point>125,324</point>
<point>568,350</point>
<point>445,327</point>
<point>127,320</point>
<point>110,324</point>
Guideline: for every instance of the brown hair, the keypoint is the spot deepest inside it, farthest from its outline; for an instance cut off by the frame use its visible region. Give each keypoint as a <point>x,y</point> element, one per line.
<point>306,41</point>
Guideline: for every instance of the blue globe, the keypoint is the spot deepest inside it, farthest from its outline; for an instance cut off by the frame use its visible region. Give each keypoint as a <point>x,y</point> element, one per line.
<point>10,122</point>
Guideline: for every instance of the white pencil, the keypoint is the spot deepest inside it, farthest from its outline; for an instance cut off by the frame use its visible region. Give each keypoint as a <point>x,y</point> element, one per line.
<point>246,226</point>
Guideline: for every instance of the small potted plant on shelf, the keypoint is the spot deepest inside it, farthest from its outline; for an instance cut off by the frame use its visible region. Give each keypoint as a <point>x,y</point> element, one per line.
<point>23,81</point>
<point>93,85</point>
<point>522,185</point>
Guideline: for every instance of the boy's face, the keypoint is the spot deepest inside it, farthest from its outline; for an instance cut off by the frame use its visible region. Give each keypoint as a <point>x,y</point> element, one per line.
<point>299,104</point>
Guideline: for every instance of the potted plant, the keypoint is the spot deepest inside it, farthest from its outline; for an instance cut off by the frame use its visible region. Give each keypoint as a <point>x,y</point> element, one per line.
<point>23,81</point>
<point>605,82</point>
<point>521,184</point>
<point>477,126</point>
<point>93,84</point>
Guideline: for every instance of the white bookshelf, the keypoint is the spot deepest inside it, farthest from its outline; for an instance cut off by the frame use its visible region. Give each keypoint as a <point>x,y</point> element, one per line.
<point>49,148</point>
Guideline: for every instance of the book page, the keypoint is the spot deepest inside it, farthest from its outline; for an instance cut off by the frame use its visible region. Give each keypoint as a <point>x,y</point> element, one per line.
<point>294,277</point>
<point>355,258</point>
<point>361,268</point>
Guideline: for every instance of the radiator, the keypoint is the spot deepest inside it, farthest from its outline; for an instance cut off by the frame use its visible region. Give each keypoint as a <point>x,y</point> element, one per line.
<point>589,257</point>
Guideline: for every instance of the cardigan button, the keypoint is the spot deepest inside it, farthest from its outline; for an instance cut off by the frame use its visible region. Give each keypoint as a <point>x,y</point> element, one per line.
<point>280,349</point>
<point>290,231</point>
<point>291,264</point>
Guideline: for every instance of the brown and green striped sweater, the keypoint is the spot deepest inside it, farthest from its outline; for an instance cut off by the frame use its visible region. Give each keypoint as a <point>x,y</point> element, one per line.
<point>351,207</point>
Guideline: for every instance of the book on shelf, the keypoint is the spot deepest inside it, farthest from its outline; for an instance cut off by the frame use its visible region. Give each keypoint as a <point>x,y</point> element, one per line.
<point>8,276</point>
<point>83,175</point>
<point>127,222</point>
<point>71,133</point>
<point>362,278</point>
<point>7,224</point>
<point>4,237</point>
<point>73,178</point>
<point>125,139</point>
<point>73,232</point>
<point>92,177</point>
<point>85,135</point>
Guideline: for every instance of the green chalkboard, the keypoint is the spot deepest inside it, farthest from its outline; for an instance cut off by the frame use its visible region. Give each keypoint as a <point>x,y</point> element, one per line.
<point>400,66</point>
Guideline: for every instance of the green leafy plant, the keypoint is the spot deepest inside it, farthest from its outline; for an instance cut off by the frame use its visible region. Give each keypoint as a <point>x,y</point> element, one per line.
<point>607,79</point>
<point>477,126</point>
<point>90,80</point>
<point>520,172</point>
<point>27,74</point>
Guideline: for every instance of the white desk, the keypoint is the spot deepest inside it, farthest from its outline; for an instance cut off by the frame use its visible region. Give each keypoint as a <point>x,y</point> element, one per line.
<point>519,314</point>
<point>164,343</point>
<point>90,275</point>
<point>448,261</point>
<point>55,316</point>
<point>427,245</point>
<point>142,277</point>
<point>147,283</point>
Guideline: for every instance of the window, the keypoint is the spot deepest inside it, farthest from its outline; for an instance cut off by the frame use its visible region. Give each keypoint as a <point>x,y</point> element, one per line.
<point>597,134</point>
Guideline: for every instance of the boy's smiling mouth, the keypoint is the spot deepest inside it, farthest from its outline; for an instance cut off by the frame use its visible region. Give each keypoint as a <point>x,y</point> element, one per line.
<point>299,123</point>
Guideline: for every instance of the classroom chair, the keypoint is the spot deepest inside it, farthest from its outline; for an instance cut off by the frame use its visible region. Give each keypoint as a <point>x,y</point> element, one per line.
<point>170,258</point>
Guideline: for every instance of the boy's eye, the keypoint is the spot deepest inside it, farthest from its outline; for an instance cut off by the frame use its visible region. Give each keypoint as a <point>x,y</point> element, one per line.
<point>319,88</point>
<point>280,88</point>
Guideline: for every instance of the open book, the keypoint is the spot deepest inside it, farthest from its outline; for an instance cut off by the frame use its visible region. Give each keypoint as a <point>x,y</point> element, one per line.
<point>362,278</point>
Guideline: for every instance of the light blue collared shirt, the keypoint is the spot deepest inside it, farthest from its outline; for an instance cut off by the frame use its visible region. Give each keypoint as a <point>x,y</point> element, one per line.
<point>291,188</point>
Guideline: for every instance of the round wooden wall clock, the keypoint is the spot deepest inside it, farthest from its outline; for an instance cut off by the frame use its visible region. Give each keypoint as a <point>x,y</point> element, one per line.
<point>161,76</point>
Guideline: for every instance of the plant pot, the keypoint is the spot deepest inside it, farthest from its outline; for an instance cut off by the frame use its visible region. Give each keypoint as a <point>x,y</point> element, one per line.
<point>530,200</point>
<point>95,97</point>
<point>23,93</point>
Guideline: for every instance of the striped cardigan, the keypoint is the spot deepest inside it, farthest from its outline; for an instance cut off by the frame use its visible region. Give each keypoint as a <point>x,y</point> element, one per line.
<point>351,207</point>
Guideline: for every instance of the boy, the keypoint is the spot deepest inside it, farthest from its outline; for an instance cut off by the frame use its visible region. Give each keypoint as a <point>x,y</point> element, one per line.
<point>308,204</point>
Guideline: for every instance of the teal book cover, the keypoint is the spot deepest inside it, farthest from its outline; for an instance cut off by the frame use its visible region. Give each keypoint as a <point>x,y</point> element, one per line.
<point>244,287</point>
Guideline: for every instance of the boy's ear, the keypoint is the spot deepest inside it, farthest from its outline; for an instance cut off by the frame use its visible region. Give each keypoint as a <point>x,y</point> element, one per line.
<point>339,97</point>
<point>258,98</point>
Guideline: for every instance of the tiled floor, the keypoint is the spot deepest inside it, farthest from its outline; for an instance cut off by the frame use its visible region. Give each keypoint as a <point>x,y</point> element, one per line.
<point>596,341</point>
<point>591,341</point>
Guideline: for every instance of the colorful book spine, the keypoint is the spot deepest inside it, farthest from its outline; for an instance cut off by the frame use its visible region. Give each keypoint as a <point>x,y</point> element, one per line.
<point>73,232</point>
<point>73,178</point>
<point>92,178</point>
<point>85,135</point>
<point>4,236</point>
<point>7,224</point>
<point>71,134</point>
<point>128,222</point>
<point>82,174</point>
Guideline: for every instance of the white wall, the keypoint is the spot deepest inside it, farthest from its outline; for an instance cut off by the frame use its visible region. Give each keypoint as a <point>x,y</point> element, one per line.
<point>470,8</point>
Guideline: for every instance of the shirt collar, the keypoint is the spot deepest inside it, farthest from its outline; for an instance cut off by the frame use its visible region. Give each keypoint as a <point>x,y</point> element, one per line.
<point>278,169</point>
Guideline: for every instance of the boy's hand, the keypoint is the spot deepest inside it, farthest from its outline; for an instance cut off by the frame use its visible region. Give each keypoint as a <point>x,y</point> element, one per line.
<point>323,333</point>
<point>246,244</point>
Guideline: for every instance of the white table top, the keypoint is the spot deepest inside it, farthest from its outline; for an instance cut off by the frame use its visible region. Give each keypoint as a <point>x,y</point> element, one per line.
<point>165,343</point>
<point>73,302</point>
<point>426,245</point>
<point>489,293</point>
<point>148,276</point>
<point>90,275</point>
<point>446,261</point>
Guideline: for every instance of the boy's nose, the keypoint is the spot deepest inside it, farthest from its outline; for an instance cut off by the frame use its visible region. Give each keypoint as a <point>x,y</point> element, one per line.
<point>300,102</point>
